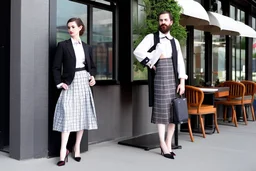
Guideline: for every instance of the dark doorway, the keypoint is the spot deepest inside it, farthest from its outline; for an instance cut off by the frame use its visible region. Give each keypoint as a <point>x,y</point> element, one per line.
<point>4,74</point>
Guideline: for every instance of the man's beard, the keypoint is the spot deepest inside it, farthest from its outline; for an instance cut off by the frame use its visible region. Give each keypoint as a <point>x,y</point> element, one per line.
<point>164,28</point>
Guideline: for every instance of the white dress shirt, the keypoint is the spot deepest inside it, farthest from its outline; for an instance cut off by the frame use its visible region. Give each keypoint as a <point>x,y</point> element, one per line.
<point>79,52</point>
<point>164,47</point>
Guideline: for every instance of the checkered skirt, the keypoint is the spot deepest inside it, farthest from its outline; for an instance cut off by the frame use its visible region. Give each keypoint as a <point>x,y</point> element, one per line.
<point>164,92</point>
<point>75,108</point>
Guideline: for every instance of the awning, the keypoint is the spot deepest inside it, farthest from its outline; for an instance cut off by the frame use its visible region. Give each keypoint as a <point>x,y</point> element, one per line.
<point>245,30</point>
<point>220,25</point>
<point>193,13</point>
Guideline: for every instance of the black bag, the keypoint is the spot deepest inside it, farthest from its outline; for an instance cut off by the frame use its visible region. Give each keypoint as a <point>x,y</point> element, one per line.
<point>180,110</point>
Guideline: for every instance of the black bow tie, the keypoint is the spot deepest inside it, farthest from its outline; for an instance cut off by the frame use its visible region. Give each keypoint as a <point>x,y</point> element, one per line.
<point>165,37</point>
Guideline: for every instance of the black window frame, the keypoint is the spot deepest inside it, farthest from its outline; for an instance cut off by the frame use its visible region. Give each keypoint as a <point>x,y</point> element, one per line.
<point>90,6</point>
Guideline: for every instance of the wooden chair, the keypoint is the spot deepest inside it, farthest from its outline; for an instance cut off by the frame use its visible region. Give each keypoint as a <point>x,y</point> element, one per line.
<point>195,98</point>
<point>236,97</point>
<point>250,90</point>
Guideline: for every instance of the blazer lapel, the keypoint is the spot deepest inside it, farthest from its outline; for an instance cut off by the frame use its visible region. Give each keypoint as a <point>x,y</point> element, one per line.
<point>86,53</point>
<point>70,48</point>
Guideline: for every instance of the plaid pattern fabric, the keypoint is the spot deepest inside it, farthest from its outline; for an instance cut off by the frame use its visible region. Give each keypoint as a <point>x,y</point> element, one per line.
<point>164,92</point>
<point>75,108</point>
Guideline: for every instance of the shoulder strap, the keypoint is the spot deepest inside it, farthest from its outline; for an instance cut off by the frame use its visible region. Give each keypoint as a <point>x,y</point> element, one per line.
<point>175,60</point>
<point>156,40</point>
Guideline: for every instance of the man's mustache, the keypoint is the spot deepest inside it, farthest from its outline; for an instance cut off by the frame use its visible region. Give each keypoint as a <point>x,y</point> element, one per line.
<point>163,25</point>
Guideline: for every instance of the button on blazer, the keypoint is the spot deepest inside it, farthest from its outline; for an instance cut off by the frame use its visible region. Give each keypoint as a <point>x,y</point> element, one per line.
<point>64,62</point>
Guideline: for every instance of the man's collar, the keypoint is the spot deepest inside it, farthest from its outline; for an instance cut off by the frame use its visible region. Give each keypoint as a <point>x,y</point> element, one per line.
<point>161,35</point>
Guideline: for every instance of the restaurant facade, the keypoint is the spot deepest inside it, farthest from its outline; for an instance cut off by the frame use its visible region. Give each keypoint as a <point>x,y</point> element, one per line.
<point>221,48</point>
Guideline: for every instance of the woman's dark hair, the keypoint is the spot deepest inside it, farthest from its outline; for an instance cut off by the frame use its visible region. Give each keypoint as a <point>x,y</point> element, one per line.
<point>166,12</point>
<point>79,23</point>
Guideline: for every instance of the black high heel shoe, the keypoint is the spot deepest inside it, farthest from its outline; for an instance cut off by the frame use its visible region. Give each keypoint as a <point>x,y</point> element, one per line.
<point>173,153</point>
<point>62,163</point>
<point>78,159</point>
<point>167,155</point>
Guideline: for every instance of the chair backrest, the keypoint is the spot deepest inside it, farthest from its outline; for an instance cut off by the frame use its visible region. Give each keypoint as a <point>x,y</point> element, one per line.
<point>236,90</point>
<point>194,96</point>
<point>250,88</point>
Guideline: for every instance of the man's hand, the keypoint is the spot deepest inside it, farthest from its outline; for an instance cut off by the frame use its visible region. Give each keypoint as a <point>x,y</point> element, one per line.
<point>181,89</point>
<point>92,81</point>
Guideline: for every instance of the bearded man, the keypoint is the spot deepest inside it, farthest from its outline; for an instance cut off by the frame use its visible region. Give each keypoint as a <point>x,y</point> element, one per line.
<point>160,60</point>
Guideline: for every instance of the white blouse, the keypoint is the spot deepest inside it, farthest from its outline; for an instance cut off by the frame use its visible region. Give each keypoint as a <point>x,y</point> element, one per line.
<point>164,47</point>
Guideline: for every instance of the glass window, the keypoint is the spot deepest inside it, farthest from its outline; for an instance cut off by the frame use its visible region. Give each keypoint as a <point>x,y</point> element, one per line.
<point>139,18</point>
<point>66,10</point>
<point>238,48</point>
<point>218,58</point>
<point>199,58</point>
<point>102,41</point>
<point>232,12</point>
<point>102,33</point>
<point>103,2</point>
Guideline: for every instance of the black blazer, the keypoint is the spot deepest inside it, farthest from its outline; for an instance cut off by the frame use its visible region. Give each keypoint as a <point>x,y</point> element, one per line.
<point>64,62</point>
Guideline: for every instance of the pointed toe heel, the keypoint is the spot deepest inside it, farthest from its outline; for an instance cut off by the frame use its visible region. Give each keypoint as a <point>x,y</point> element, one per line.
<point>78,159</point>
<point>62,163</point>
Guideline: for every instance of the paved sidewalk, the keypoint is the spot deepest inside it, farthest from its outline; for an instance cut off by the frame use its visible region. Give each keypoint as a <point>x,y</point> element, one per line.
<point>232,149</point>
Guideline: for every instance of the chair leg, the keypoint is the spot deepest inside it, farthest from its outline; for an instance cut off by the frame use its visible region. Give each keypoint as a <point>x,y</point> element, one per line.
<point>245,117</point>
<point>252,110</point>
<point>202,125</point>
<point>216,122</point>
<point>190,130</point>
<point>225,113</point>
<point>234,116</point>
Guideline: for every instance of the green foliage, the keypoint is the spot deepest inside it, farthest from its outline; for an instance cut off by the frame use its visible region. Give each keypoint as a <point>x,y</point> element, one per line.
<point>254,55</point>
<point>152,9</point>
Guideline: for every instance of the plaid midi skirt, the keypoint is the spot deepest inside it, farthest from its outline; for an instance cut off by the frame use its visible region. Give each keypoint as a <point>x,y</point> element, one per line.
<point>164,92</point>
<point>75,108</point>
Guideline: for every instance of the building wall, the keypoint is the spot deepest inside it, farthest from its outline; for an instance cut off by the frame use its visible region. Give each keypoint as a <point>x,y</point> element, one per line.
<point>114,113</point>
<point>141,111</point>
<point>29,78</point>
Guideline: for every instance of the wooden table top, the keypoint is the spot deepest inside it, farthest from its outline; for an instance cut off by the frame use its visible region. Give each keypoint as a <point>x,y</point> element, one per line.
<point>218,91</point>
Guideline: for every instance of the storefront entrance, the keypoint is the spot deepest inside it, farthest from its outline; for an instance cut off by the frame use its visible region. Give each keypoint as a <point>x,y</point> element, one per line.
<point>4,74</point>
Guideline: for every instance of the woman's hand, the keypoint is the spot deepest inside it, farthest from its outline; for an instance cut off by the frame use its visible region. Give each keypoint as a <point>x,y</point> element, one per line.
<point>64,86</point>
<point>92,81</point>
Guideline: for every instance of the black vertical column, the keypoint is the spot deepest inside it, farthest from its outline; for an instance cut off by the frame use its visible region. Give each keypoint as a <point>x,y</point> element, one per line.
<point>208,56</point>
<point>190,54</point>
<point>248,50</point>
<point>125,48</point>
<point>208,46</point>
<point>229,58</point>
<point>4,73</point>
<point>226,11</point>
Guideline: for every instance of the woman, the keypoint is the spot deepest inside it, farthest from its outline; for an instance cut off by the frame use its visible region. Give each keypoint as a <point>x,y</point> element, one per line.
<point>73,72</point>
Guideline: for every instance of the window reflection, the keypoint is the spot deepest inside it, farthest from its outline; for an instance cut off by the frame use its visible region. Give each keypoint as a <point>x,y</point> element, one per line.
<point>238,48</point>
<point>102,41</point>
<point>199,58</point>
<point>66,10</point>
<point>218,58</point>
